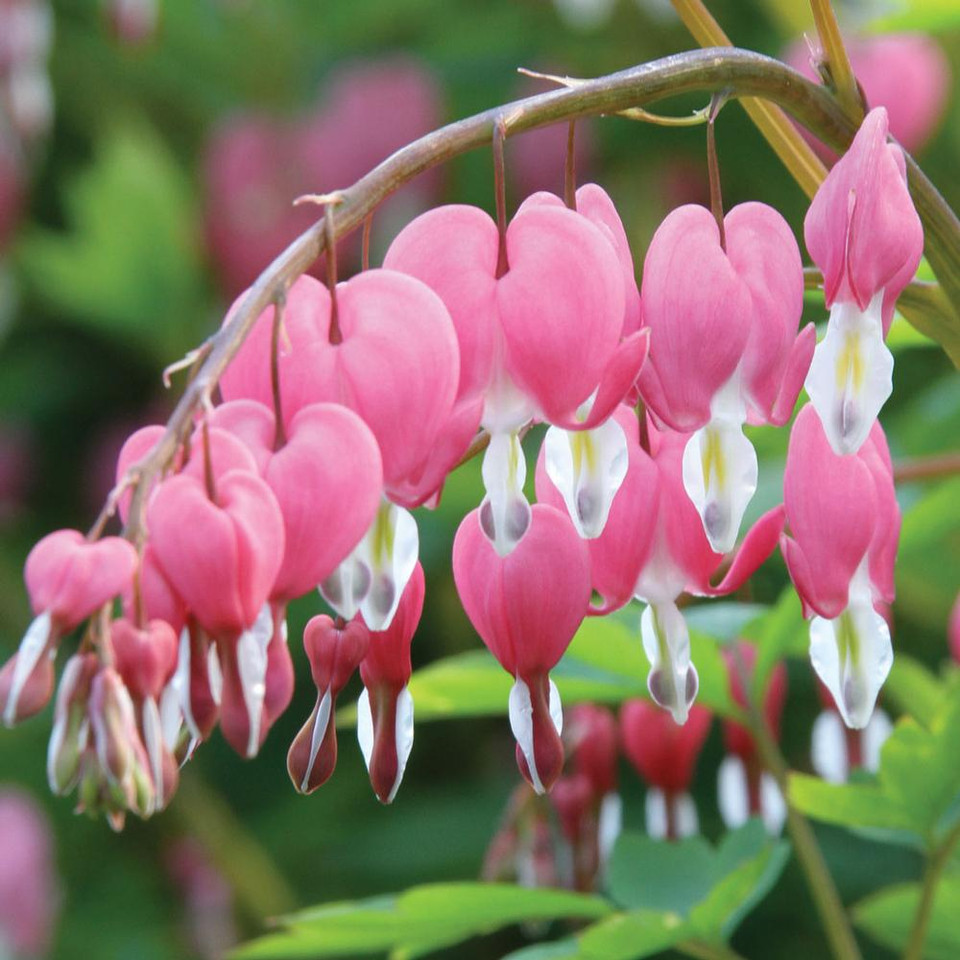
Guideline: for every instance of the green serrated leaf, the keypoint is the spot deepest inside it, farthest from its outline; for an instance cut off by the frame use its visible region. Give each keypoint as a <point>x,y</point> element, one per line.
<point>422,919</point>
<point>630,936</point>
<point>888,917</point>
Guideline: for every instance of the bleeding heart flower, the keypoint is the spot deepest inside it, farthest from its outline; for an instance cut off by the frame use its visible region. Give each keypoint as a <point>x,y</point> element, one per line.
<point>863,232</point>
<point>723,347</point>
<point>744,788</point>
<point>844,525</point>
<point>526,607</point>
<point>385,708</point>
<point>665,756</point>
<point>334,651</point>
<point>68,578</point>
<point>906,73</point>
<point>654,548</point>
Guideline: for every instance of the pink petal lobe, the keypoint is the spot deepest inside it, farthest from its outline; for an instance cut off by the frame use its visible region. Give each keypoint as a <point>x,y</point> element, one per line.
<point>761,540</point>
<point>798,363</point>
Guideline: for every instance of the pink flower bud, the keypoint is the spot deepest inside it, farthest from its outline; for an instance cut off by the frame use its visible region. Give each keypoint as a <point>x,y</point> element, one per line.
<point>146,658</point>
<point>953,631</point>
<point>737,738</point>
<point>385,708</point>
<point>595,741</point>
<point>526,607</point>
<point>334,653</point>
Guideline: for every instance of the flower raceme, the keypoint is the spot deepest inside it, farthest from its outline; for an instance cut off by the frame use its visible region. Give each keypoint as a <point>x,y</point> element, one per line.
<point>863,232</point>
<point>844,528</point>
<point>724,347</point>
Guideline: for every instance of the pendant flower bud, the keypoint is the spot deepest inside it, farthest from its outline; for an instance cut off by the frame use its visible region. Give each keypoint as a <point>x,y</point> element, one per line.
<point>68,578</point>
<point>334,651</point>
<point>385,708</point>
<point>744,788</point>
<point>723,347</point>
<point>526,607</point>
<point>665,755</point>
<point>863,232</point>
<point>844,527</point>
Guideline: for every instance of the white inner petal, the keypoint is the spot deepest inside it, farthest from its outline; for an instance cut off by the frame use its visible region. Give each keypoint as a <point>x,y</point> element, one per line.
<point>389,550</point>
<point>609,825</point>
<point>171,718</point>
<point>346,587</point>
<point>672,681</point>
<point>252,666</point>
<point>773,808</point>
<point>31,648</point>
<point>851,375</point>
<point>874,736</point>
<point>733,797</point>
<point>180,683</point>
<point>214,674</point>
<point>852,655</point>
<point>685,815</point>
<point>655,810</point>
<point>365,726</point>
<point>720,477</point>
<point>520,711</point>
<point>505,407</point>
<point>319,731</point>
<point>828,748</point>
<point>153,741</point>
<point>505,512</point>
<point>587,467</point>
<point>404,737</point>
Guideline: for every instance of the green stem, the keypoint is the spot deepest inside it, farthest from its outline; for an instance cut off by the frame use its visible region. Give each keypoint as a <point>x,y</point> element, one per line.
<point>835,57</point>
<point>741,72</point>
<point>936,863</point>
<point>700,950</point>
<point>826,898</point>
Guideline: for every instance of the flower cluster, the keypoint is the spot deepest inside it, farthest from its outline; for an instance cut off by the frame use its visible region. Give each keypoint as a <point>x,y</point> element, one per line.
<point>349,404</point>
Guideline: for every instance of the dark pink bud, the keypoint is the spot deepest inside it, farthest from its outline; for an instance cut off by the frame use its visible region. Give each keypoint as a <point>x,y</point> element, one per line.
<point>144,658</point>
<point>385,708</point>
<point>35,690</point>
<point>334,653</point>
<point>572,798</point>
<point>953,631</point>
<point>593,734</point>
<point>661,751</point>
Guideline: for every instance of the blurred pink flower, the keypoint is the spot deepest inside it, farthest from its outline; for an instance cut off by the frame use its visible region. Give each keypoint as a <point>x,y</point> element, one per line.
<point>29,895</point>
<point>258,164</point>
<point>906,73</point>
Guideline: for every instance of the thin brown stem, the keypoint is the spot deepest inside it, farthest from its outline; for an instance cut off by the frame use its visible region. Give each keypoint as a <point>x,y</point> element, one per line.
<point>835,57</point>
<point>279,432</point>
<point>570,168</point>
<point>713,166</point>
<point>744,72</point>
<point>499,134</point>
<point>927,468</point>
<point>365,243</point>
<point>330,235</point>
<point>208,476</point>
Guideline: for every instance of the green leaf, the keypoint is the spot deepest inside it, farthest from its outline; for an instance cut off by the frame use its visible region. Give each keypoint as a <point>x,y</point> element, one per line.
<point>888,917</point>
<point>422,919</point>
<point>567,949</point>
<point>129,265</point>
<point>605,663</point>
<point>914,689</point>
<point>630,936</point>
<point>916,791</point>
<point>928,560</point>
<point>711,888</point>
<point>780,634</point>
<point>933,16</point>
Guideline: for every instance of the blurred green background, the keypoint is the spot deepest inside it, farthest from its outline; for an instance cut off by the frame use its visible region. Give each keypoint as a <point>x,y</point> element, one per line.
<point>134,233</point>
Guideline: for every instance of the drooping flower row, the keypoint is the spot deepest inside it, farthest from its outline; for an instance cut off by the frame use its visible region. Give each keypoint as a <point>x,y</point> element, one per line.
<point>346,408</point>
